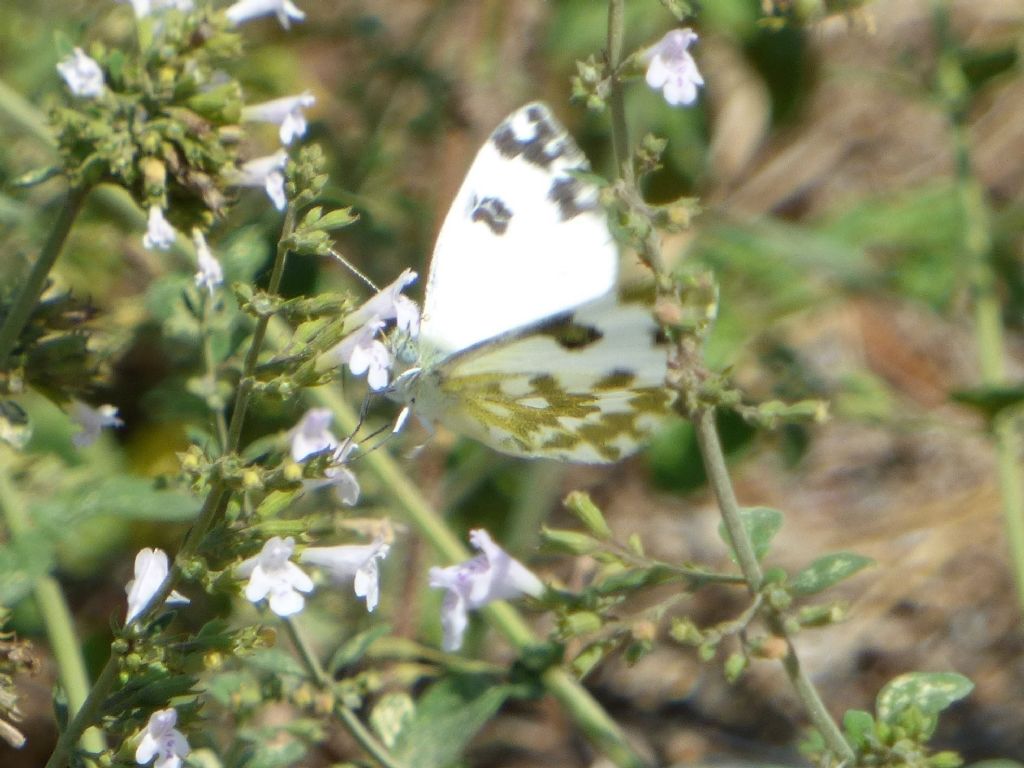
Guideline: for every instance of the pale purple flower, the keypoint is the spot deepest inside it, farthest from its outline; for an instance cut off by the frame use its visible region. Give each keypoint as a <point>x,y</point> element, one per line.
<point>311,435</point>
<point>363,352</point>
<point>91,421</point>
<point>355,562</point>
<point>285,112</point>
<point>210,274</point>
<point>266,172</point>
<point>162,741</point>
<point>144,8</point>
<point>491,575</point>
<point>672,70</point>
<point>150,572</point>
<point>159,233</point>
<point>285,10</point>
<point>83,75</point>
<point>390,304</point>
<point>339,477</point>
<point>271,574</point>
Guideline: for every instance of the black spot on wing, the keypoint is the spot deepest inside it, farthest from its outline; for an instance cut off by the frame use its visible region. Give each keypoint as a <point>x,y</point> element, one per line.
<point>570,334</point>
<point>571,197</point>
<point>545,143</point>
<point>494,213</point>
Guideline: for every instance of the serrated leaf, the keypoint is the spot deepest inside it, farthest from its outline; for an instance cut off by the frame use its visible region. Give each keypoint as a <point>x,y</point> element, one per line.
<point>929,692</point>
<point>355,647</point>
<point>827,571</point>
<point>761,524</point>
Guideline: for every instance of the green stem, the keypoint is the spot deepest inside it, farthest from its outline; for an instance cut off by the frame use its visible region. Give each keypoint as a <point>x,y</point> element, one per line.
<point>355,726</point>
<point>988,331</point>
<point>721,484</point>
<point>245,386</point>
<point>617,95</point>
<point>584,710</point>
<point>35,283</point>
<point>60,625</point>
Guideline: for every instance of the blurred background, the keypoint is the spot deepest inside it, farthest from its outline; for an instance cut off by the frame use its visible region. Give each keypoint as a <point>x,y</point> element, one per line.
<point>831,166</point>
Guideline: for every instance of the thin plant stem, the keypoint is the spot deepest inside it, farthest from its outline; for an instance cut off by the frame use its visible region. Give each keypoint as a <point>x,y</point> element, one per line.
<point>35,283</point>
<point>617,91</point>
<point>721,485</point>
<point>60,625</point>
<point>355,726</point>
<point>211,368</point>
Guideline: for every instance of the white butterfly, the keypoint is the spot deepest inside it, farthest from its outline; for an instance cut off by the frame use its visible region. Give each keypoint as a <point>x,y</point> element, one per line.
<point>524,343</point>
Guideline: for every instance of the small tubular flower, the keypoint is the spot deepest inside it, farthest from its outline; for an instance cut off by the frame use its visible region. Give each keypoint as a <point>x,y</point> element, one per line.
<point>352,562</point>
<point>672,70</point>
<point>311,435</point>
<point>339,477</point>
<point>266,172</point>
<point>162,741</point>
<point>272,575</point>
<point>390,304</point>
<point>492,575</point>
<point>159,233</point>
<point>150,572</point>
<point>83,74</point>
<point>91,421</point>
<point>285,112</point>
<point>364,353</point>
<point>210,274</point>
<point>245,10</point>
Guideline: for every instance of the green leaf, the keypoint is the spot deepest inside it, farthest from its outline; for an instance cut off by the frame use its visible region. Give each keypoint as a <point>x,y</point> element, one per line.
<point>393,713</point>
<point>337,219</point>
<point>991,401</point>
<point>447,716</point>
<point>859,726</point>
<point>276,662</point>
<point>36,176</point>
<point>929,692</point>
<point>353,649</point>
<point>126,497</point>
<point>826,571</point>
<point>761,524</point>
<point>23,561</point>
<point>581,505</point>
<point>569,542</point>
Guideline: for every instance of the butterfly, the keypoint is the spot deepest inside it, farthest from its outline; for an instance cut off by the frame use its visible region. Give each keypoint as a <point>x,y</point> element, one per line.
<point>524,341</point>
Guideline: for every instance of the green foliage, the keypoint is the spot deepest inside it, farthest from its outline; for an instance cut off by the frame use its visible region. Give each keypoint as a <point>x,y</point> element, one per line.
<point>826,572</point>
<point>761,524</point>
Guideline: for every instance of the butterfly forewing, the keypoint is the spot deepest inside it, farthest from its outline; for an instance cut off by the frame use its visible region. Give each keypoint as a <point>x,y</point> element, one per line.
<point>584,385</point>
<point>525,238</point>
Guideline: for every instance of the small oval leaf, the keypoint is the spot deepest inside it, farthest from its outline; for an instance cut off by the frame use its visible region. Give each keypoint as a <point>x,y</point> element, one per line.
<point>930,692</point>
<point>826,571</point>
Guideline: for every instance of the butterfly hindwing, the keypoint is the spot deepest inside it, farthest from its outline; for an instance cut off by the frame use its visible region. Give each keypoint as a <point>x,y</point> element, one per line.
<point>585,385</point>
<point>525,238</point>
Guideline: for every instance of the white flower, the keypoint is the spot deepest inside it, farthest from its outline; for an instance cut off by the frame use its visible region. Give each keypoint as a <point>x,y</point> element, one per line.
<point>491,575</point>
<point>285,112</point>
<point>266,172</point>
<point>143,8</point>
<point>82,74</point>
<point>364,353</point>
<point>272,574</point>
<point>311,435</point>
<point>390,304</point>
<point>159,234</point>
<point>285,10</point>
<point>150,573</point>
<point>163,741</point>
<point>672,70</point>
<point>210,274</point>
<point>352,561</point>
<point>91,421</point>
<point>338,476</point>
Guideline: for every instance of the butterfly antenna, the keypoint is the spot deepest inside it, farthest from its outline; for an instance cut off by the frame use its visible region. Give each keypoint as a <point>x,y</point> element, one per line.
<point>352,268</point>
<point>380,444</point>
